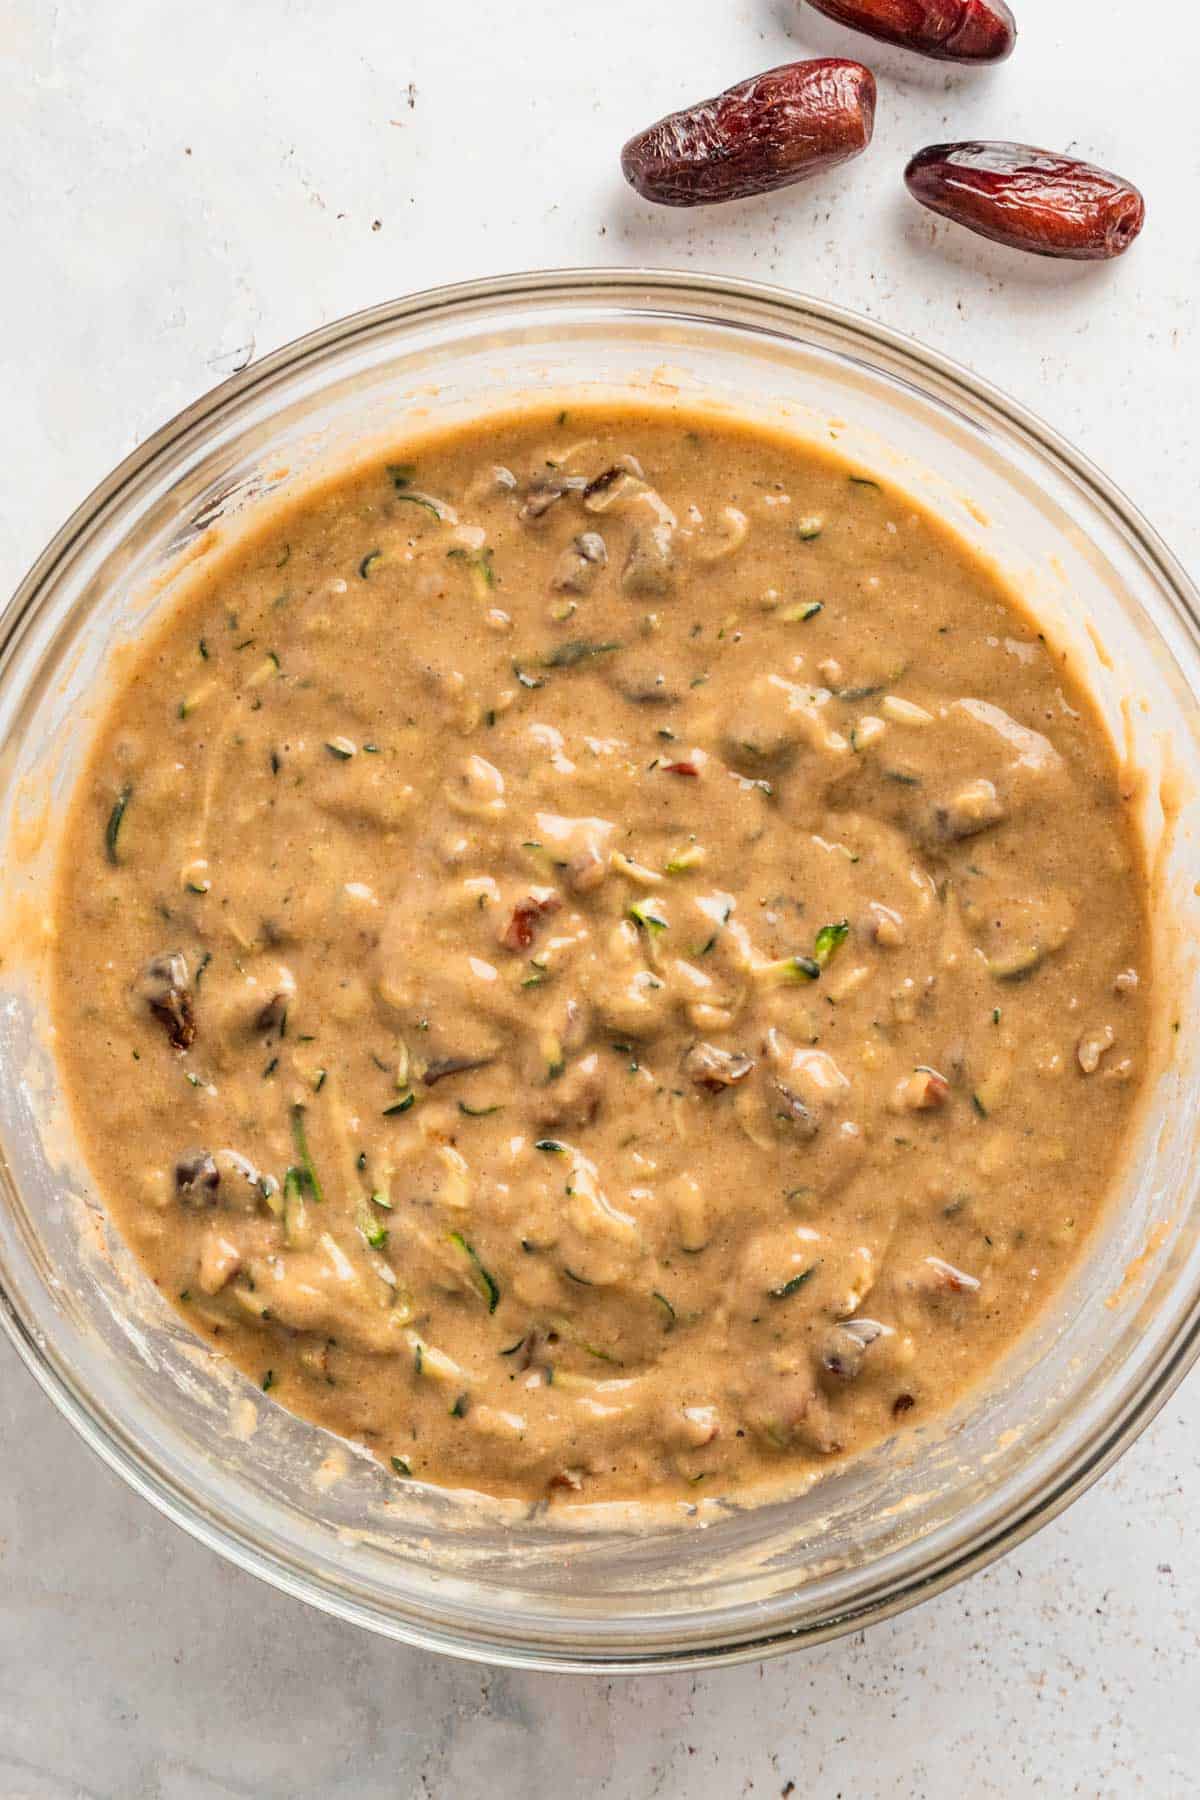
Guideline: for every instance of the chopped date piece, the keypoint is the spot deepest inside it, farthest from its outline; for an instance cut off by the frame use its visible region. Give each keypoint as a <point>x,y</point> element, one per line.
<point>968,31</point>
<point>716,1069</point>
<point>519,933</point>
<point>197,1178</point>
<point>600,484</point>
<point>1093,1046</point>
<point>272,1016</point>
<point>545,492</point>
<point>765,133</point>
<point>609,489</point>
<point>167,991</point>
<point>843,1351</point>
<point>901,1404</point>
<point>1029,199</point>
<point>580,564</point>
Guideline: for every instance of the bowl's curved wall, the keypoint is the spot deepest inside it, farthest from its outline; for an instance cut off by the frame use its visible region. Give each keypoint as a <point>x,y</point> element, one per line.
<point>283,1499</point>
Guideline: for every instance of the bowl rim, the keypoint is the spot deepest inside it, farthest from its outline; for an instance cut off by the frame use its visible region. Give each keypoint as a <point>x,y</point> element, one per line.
<point>1090,1458</point>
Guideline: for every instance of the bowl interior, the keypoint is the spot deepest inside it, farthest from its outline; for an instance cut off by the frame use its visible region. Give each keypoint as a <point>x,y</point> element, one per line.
<point>607,1588</point>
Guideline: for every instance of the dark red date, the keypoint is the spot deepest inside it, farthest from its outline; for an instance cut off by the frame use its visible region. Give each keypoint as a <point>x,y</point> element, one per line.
<point>1029,199</point>
<point>521,929</point>
<point>969,31</point>
<point>765,133</point>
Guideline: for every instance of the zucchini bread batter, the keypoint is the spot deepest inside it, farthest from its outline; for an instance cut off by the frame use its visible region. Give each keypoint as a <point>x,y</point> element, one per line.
<point>601,955</point>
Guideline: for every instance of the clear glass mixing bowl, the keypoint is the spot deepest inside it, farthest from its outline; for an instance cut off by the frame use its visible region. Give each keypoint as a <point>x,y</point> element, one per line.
<point>604,1590</point>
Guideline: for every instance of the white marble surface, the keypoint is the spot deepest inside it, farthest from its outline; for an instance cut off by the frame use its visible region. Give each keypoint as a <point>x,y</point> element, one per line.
<point>182,187</point>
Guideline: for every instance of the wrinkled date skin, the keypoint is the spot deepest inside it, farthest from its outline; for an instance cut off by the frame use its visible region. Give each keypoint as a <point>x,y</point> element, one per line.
<point>765,133</point>
<point>968,31</point>
<point>1029,199</point>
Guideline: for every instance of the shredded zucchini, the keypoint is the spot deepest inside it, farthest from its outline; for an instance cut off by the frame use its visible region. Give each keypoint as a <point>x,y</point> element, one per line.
<point>482,1280</point>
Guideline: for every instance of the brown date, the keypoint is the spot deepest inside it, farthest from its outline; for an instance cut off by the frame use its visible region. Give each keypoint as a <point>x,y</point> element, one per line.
<point>1029,199</point>
<point>765,133</point>
<point>970,31</point>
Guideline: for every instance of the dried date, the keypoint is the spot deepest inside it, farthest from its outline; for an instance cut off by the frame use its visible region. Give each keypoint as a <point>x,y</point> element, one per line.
<point>968,31</point>
<point>1029,199</point>
<point>765,133</point>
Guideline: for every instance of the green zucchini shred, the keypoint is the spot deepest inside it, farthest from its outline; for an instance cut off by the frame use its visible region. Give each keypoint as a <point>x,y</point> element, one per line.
<point>479,566</point>
<point>112,830</point>
<point>423,500</point>
<point>793,1286</point>
<point>828,939</point>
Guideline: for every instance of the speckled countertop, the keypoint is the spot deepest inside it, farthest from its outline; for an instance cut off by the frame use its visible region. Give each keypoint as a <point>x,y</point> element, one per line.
<point>182,188</point>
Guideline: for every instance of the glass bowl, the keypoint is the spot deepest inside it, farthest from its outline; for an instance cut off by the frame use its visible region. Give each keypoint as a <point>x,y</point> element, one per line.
<point>602,1589</point>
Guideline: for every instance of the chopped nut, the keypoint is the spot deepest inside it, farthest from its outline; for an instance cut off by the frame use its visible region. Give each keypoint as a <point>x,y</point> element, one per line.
<point>521,929</point>
<point>974,808</point>
<point>167,991</point>
<point>922,1091</point>
<point>715,1069</point>
<point>904,712</point>
<point>887,925</point>
<point>1092,1046</point>
<point>219,1262</point>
